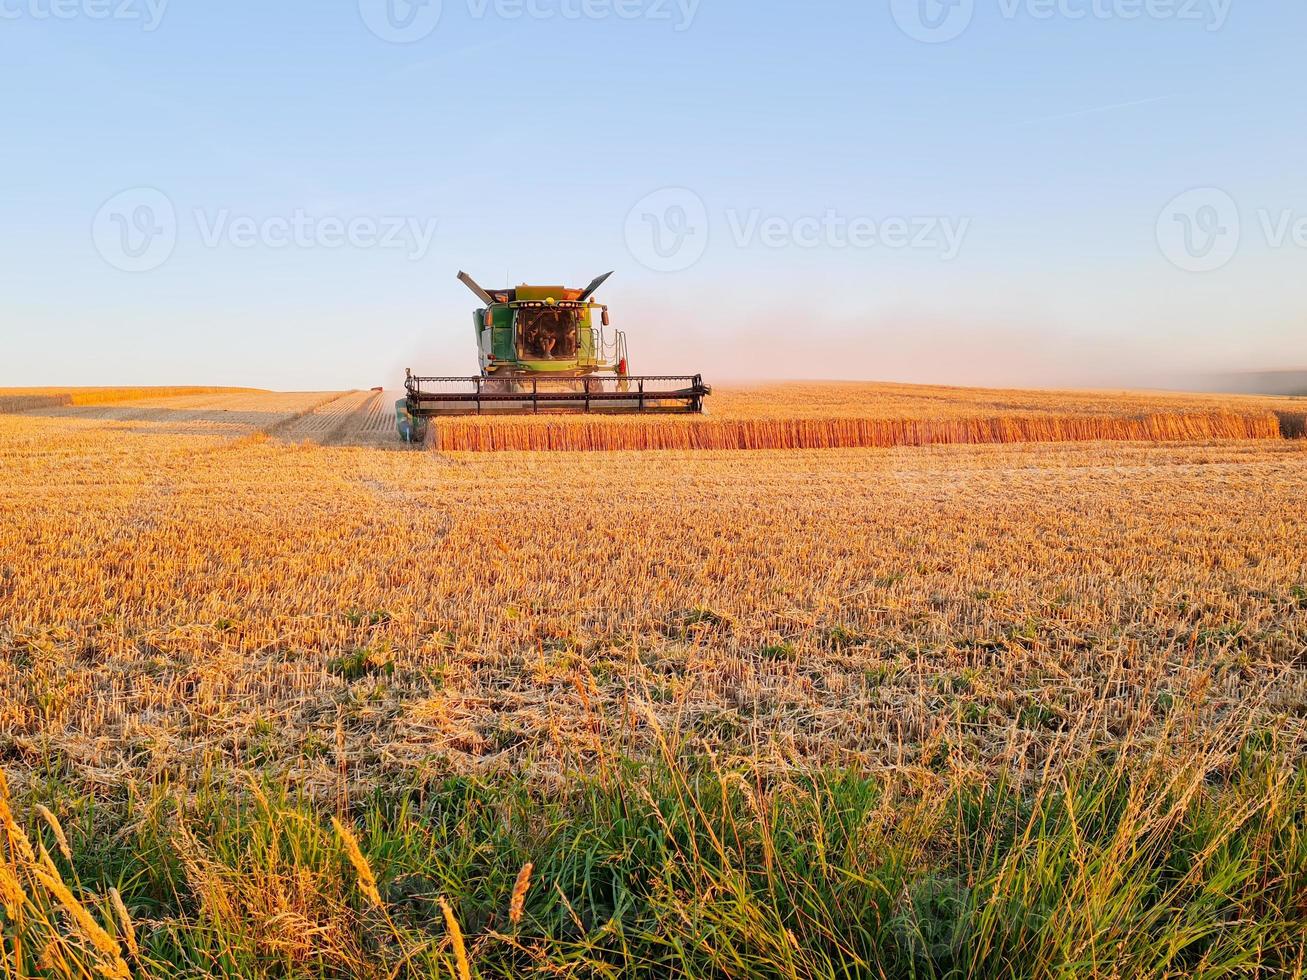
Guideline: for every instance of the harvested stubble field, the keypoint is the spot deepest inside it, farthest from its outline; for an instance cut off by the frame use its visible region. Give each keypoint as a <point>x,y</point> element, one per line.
<point>1033,710</point>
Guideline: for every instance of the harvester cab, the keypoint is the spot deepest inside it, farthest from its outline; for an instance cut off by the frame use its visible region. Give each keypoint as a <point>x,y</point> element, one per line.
<point>545,330</point>
<point>545,349</point>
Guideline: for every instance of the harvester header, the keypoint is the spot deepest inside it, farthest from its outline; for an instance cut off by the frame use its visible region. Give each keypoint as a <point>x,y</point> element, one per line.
<point>545,349</point>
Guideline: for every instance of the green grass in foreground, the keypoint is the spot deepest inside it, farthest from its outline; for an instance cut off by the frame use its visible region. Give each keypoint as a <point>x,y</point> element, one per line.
<point>675,870</point>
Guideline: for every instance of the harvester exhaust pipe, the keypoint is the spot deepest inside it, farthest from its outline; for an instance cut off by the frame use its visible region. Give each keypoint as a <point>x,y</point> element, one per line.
<point>471,284</point>
<point>593,288</point>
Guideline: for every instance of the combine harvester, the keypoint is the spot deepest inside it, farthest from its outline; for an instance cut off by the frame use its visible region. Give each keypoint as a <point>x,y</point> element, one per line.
<point>541,352</point>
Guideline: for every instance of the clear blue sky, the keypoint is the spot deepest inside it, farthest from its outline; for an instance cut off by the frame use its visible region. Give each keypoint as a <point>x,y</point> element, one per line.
<point>1011,187</point>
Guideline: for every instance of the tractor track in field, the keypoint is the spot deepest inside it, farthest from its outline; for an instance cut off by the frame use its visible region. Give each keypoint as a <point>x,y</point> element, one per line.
<point>353,418</point>
<point>369,425</point>
<point>354,424</point>
<point>283,426</point>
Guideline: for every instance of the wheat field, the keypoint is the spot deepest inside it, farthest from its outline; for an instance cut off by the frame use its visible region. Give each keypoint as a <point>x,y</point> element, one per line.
<point>677,713</point>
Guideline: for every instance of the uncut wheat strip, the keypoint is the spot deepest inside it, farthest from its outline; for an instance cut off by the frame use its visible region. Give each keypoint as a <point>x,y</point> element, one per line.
<point>25,403</point>
<point>1293,425</point>
<point>19,400</point>
<point>605,435</point>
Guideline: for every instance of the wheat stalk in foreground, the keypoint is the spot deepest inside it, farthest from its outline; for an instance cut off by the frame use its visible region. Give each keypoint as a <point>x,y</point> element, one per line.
<point>456,937</point>
<point>111,964</point>
<point>125,922</point>
<point>57,829</point>
<point>520,887</point>
<point>367,880</point>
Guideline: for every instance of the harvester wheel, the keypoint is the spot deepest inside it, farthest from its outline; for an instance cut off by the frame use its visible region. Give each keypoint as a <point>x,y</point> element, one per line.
<point>412,429</point>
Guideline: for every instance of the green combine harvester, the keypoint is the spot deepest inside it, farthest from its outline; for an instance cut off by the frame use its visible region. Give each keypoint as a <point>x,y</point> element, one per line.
<point>545,349</point>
